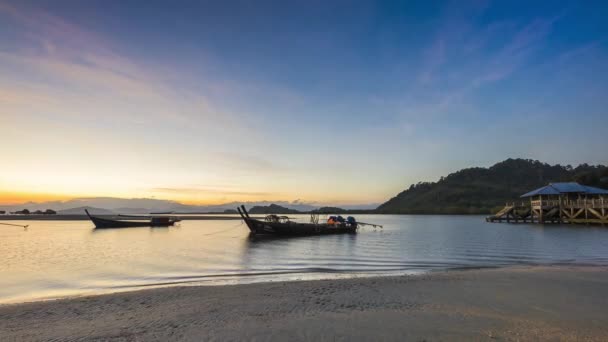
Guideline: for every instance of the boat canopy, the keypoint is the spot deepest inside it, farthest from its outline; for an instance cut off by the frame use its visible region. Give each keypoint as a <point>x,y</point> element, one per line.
<point>566,188</point>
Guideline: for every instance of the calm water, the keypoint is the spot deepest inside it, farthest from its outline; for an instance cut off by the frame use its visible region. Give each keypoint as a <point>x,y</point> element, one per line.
<point>62,258</point>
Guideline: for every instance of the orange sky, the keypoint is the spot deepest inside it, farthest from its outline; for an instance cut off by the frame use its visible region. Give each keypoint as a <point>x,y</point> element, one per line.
<point>19,197</point>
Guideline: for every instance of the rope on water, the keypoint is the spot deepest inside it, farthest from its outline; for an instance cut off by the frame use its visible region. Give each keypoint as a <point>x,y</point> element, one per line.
<point>225,230</point>
<point>15,225</point>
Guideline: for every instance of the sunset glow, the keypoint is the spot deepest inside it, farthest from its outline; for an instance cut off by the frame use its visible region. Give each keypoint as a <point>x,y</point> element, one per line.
<point>212,105</point>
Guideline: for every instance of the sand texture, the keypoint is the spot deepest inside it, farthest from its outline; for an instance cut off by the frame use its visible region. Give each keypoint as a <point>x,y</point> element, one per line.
<point>510,304</point>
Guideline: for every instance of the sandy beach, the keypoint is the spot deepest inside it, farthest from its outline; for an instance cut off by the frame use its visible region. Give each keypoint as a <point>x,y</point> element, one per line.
<point>522,303</point>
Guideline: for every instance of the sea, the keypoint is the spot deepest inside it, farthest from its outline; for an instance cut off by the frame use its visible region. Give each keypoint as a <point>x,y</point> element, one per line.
<point>56,259</point>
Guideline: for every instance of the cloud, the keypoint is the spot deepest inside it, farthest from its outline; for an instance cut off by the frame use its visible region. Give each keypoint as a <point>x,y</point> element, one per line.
<point>454,24</point>
<point>516,52</point>
<point>464,56</point>
<point>209,191</point>
<point>578,52</point>
<point>64,86</point>
<point>80,73</point>
<point>249,162</point>
<point>435,57</point>
<point>70,55</point>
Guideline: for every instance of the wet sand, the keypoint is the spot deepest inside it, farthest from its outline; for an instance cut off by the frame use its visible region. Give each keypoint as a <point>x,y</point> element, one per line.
<point>512,304</point>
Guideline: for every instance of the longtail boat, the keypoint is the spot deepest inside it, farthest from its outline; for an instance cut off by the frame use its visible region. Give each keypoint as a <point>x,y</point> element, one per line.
<point>147,222</point>
<point>282,225</point>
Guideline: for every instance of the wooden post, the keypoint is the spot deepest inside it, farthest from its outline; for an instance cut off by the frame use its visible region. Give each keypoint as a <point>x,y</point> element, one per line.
<point>571,211</point>
<point>586,210</point>
<point>603,208</point>
<point>559,214</point>
<point>533,213</point>
<point>540,212</point>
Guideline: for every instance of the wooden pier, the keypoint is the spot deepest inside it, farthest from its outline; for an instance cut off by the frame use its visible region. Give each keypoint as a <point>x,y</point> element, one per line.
<point>576,207</point>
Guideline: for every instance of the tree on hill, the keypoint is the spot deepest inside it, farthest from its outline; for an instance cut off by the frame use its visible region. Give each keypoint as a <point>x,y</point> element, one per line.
<point>481,190</point>
<point>329,210</point>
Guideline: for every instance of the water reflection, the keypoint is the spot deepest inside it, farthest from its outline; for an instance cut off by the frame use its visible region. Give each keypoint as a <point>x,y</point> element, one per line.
<point>296,254</point>
<point>55,258</point>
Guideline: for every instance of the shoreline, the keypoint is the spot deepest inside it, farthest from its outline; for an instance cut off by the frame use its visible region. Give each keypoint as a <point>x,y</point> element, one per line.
<point>245,281</point>
<point>335,277</point>
<point>182,216</point>
<point>84,217</point>
<point>511,303</point>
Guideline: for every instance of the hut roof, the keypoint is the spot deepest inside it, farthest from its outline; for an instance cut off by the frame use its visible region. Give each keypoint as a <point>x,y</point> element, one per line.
<point>566,188</point>
<point>596,191</point>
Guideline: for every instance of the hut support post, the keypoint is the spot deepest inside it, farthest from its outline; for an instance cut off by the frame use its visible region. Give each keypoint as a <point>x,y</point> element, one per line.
<point>586,210</point>
<point>603,210</point>
<point>560,214</point>
<point>540,211</point>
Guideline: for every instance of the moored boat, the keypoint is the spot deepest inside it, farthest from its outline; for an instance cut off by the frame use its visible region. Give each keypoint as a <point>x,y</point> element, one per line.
<point>161,221</point>
<point>282,225</point>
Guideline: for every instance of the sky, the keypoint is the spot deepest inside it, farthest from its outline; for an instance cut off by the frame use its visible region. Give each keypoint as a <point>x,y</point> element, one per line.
<point>207,102</point>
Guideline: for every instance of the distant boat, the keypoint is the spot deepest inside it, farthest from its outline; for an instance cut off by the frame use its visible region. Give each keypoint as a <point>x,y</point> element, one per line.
<point>149,222</point>
<point>281,225</point>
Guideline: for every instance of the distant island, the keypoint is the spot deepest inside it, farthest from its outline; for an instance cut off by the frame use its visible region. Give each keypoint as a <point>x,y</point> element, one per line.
<point>80,211</point>
<point>28,212</point>
<point>272,209</point>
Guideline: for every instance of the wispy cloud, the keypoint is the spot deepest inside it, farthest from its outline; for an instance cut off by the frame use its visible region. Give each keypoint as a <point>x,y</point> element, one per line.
<point>464,57</point>
<point>63,83</point>
<point>522,45</point>
<point>210,191</point>
<point>453,25</point>
<point>435,57</point>
<point>54,44</point>
<point>88,74</point>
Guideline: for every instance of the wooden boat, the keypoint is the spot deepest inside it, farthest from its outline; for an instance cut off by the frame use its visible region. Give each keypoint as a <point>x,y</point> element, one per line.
<point>150,222</point>
<point>281,225</point>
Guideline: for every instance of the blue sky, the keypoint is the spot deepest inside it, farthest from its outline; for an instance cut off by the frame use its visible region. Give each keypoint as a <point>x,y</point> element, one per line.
<point>341,102</point>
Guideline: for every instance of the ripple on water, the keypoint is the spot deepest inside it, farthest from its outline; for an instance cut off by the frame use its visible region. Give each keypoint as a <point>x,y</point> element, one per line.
<point>58,258</point>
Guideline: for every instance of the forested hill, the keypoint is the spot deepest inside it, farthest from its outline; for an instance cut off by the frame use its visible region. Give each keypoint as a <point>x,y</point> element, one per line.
<point>480,190</point>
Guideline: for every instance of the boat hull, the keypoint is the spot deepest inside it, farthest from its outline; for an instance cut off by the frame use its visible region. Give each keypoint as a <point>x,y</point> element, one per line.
<point>102,223</point>
<point>275,226</point>
<point>297,229</point>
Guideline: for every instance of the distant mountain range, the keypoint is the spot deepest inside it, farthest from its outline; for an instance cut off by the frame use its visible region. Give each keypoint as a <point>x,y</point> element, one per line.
<point>80,211</point>
<point>110,205</point>
<point>480,190</point>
